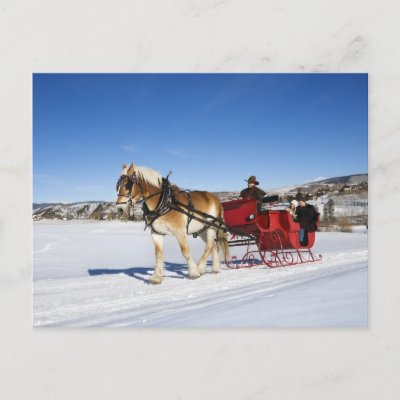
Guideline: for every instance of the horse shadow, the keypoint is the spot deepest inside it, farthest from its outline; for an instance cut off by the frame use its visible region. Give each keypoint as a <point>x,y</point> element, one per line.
<point>143,273</point>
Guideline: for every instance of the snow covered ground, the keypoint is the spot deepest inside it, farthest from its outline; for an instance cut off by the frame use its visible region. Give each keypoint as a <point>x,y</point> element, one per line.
<point>88,273</point>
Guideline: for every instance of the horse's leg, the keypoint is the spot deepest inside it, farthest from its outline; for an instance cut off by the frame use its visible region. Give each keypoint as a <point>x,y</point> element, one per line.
<point>158,275</point>
<point>216,266</point>
<point>202,269</point>
<point>184,245</point>
<point>210,243</point>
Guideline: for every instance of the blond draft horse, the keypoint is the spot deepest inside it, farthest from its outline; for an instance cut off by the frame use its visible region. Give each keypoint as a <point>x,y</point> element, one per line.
<point>141,183</point>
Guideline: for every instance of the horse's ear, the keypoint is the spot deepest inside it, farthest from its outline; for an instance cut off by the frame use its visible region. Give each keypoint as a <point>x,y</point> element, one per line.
<point>131,169</point>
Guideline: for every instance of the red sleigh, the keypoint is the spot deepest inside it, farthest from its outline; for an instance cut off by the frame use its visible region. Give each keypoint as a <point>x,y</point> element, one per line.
<point>269,237</point>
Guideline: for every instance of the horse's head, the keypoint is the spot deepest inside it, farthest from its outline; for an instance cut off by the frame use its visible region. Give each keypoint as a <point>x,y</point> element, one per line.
<point>128,188</point>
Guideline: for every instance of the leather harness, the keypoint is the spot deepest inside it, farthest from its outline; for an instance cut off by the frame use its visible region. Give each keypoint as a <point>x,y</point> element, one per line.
<point>168,202</point>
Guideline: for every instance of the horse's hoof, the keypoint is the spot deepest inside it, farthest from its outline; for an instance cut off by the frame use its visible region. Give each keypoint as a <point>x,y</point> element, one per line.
<point>216,269</point>
<point>155,279</point>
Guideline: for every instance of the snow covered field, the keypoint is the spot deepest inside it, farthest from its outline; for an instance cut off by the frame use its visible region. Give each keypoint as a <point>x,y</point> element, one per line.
<point>89,273</point>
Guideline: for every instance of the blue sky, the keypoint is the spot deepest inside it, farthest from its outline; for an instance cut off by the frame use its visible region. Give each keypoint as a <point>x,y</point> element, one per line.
<point>211,130</point>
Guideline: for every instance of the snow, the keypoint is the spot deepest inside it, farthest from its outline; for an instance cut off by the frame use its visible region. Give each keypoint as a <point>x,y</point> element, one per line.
<point>95,273</point>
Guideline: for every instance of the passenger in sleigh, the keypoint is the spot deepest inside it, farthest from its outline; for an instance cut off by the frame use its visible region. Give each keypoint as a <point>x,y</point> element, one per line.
<point>292,209</point>
<point>307,218</point>
<point>253,192</point>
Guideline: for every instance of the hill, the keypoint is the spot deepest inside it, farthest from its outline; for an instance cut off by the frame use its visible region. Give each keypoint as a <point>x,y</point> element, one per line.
<point>340,183</point>
<point>348,192</point>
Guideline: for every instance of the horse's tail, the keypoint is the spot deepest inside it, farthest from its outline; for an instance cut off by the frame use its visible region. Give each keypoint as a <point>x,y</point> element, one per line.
<point>222,238</point>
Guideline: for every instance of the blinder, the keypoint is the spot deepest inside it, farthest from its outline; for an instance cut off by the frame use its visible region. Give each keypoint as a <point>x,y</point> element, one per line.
<point>131,181</point>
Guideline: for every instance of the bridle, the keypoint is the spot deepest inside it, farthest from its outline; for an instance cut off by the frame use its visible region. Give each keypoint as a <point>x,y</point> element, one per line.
<point>132,179</point>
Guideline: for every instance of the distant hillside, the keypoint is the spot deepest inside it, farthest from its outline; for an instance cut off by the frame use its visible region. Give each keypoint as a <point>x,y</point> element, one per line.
<point>36,206</point>
<point>330,185</point>
<point>348,179</point>
<point>356,185</point>
<point>86,210</point>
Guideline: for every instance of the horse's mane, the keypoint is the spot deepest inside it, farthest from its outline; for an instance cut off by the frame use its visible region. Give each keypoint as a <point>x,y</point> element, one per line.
<point>149,176</point>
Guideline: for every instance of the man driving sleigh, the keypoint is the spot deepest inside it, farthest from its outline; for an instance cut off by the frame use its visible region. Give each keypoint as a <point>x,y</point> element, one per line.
<point>253,192</point>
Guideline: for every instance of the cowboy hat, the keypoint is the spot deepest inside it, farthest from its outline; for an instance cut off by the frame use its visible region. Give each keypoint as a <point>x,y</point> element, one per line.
<point>252,179</point>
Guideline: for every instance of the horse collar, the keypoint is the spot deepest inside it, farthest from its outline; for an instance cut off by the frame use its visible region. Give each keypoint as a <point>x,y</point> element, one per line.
<point>164,204</point>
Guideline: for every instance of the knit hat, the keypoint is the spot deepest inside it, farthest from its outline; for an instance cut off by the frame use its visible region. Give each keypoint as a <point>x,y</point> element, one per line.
<point>252,179</point>
<point>295,203</point>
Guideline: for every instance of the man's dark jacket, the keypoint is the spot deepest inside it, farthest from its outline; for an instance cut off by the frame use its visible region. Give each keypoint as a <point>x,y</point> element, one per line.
<point>253,193</point>
<point>307,217</point>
